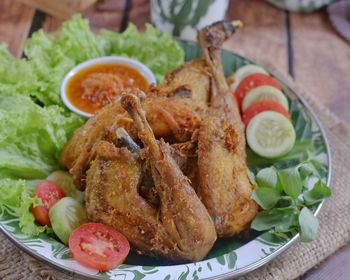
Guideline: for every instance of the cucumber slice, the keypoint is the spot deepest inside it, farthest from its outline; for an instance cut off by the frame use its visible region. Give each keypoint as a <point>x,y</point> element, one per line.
<point>264,93</point>
<point>65,216</point>
<point>65,181</point>
<point>245,71</point>
<point>270,134</point>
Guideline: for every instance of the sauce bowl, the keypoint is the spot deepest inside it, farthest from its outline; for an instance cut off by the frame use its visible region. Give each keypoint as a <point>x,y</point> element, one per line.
<point>132,63</point>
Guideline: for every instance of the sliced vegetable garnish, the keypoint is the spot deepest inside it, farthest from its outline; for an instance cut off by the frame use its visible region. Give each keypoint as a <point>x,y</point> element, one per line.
<point>264,93</point>
<point>98,246</point>
<point>49,193</point>
<point>65,216</point>
<point>65,181</point>
<point>261,106</point>
<point>245,71</point>
<point>270,134</point>
<point>253,81</point>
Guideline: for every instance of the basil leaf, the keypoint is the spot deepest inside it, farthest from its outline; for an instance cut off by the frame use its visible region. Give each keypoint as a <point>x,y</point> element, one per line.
<point>289,223</point>
<point>306,169</point>
<point>319,192</point>
<point>291,181</point>
<point>267,177</point>
<point>266,197</point>
<point>275,217</point>
<point>308,225</point>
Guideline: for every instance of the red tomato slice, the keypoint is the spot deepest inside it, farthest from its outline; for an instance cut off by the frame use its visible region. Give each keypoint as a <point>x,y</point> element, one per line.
<point>261,106</point>
<point>98,246</point>
<point>253,81</point>
<point>49,193</point>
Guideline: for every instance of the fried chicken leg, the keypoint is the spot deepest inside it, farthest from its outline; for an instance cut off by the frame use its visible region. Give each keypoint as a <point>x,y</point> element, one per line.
<point>224,186</point>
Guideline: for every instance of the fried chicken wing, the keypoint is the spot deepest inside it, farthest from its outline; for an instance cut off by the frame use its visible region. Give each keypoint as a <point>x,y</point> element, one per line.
<point>224,186</point>
<point>180,230</point>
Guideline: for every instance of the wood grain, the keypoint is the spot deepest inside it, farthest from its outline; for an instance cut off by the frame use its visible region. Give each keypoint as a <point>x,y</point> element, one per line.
<point>15,21</point>
<point>322,61</point>
<point>60,9</point>
<point>263,35</point>
<point>139,13</point>
<point>105,14</point>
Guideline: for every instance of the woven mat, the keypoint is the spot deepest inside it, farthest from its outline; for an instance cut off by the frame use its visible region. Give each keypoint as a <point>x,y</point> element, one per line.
<point>334,220</point>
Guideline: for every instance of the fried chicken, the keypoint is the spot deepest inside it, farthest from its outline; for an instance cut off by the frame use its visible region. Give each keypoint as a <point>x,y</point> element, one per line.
<point>224,186</point>
<point>180,229</point>
<point>171,118</point>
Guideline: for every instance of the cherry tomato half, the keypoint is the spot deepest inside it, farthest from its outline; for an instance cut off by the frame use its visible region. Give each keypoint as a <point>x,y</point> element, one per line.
<point>49,193</point>
<point>253,81</point>
<point>261,106</point>
<point>98,246</point>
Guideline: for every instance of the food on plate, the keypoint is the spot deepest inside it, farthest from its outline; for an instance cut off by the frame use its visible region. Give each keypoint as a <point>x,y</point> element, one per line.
<point>65,181</point>
<point>98,246</point>
<point>164,166</point>
<point>264,93</point>
<point>169,117</point>
<point>267,136</point>
<point>262,106</point>
<point>224,186</point>
<point>65,216</point>
<point>243,72</point>
<point>252,81</point>
<point>96,86</point>
<point>49,193</point>
<point>179,229</point>
<point>270,134</point>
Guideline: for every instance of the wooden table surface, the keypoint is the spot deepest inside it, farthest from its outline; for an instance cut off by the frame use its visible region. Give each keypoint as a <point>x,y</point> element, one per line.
<point>304,45</point>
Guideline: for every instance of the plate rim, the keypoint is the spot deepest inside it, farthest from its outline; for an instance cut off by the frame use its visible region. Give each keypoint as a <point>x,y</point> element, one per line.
<point>234,273</point>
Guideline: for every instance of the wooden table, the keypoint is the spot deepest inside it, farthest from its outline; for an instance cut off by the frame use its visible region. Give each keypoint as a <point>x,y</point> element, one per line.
<point>305,46</point>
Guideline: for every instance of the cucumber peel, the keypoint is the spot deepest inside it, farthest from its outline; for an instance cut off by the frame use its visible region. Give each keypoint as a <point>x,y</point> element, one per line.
<point>65,216</point>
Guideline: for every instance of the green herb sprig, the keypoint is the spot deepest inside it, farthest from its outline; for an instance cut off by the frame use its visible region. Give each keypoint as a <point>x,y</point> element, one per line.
<point>288,198</point>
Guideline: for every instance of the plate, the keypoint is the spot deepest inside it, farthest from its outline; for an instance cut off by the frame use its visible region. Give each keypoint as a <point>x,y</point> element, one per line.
<point>230,257</point>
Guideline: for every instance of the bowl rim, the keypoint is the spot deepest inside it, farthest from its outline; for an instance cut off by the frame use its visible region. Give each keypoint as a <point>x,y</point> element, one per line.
<point>144,70</point>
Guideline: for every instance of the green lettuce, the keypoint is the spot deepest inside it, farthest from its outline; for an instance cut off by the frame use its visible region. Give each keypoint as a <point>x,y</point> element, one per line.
<point>158,51</point>
<point>31,136</point>
<point>14,194</point>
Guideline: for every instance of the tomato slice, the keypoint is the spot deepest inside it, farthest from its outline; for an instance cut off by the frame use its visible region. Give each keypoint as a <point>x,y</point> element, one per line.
<point>49,193</point>
<point>98,246</point>
<point>261,106</point>
<point>253,81</point>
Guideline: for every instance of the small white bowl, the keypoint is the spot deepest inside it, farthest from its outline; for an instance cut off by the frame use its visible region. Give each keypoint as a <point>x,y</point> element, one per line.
<point>140,67</point>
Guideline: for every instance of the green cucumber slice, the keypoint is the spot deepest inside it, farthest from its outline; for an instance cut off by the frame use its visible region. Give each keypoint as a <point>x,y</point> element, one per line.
<point>65,181</point>
<point>270,134</point>
<point>245,71</point>
<point>264,93</point>
<point>65,216</point>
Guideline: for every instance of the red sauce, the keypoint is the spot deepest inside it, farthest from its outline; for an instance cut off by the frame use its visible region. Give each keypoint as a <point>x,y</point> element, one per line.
<point>94,87</point>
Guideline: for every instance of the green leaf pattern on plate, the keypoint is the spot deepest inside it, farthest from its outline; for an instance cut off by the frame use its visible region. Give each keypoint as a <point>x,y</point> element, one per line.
<point>231,255</point>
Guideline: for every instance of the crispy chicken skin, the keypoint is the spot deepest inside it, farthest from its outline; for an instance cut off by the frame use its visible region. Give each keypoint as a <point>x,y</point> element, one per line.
<point>193,75</point>
<point>180,229</point>
<point>169,117</point>
<point>224,186</point>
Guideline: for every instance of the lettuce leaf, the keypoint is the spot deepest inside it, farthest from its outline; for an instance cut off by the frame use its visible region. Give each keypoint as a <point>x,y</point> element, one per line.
<point>15,195</point>
<point>31,137</point>
<point>155,49</point>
